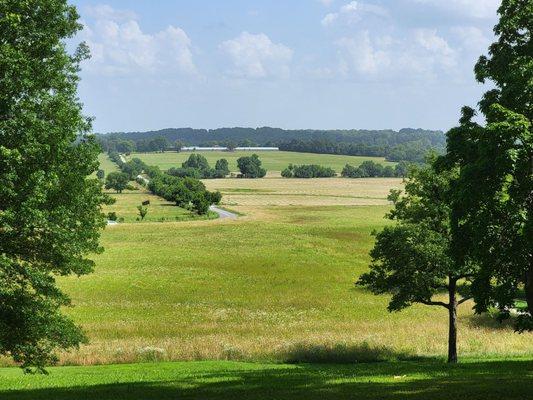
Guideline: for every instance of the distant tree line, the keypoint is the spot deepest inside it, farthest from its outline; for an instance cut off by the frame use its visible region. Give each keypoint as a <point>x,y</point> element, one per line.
<point>186,192</point>
<point>307,171</point>
<point>414,151</point>
<point>371,169</point>
<point>406,144</point>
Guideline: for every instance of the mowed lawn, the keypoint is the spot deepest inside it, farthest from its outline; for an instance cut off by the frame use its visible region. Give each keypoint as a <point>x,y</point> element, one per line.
<point>473,380</point>
<point>273,161</point>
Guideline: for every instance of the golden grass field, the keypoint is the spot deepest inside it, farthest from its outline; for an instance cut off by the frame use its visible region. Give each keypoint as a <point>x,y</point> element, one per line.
<point>275,284</point>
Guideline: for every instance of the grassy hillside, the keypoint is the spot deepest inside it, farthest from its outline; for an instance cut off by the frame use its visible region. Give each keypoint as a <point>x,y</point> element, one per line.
<point>106,164</point>
<point>474,380</point>
<point>272,161</point>
<point>276,284</point>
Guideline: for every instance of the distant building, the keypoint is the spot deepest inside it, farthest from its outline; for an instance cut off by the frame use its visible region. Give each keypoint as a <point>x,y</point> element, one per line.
<point>198,148</point>
<point>257,148</point>
<point>219,148</point>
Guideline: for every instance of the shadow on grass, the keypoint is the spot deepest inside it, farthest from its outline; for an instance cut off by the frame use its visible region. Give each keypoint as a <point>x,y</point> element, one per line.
<point>401,380</point>
<point>342,354</point>
<point>488,321</point>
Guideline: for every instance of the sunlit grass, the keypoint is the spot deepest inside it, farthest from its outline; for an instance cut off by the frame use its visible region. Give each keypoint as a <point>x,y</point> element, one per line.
<point>222,380</point>
<point>252,289</point>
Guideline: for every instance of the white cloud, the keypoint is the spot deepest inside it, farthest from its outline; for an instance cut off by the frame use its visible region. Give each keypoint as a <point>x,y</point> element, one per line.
<point>106,12</point>
<point>361,55</point>
<point>471,38</point>
<point>119,46</point>
<point>256,56</point>
<point>470,8</point>
<point>353,12</point>
<point>326,3</point>
<point>421,53</point>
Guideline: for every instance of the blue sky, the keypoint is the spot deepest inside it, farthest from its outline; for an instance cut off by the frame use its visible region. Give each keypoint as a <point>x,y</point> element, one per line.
<point>320,64</point>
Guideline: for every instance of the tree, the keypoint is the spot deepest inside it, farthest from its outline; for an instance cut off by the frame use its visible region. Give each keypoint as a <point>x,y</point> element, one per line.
<point>178,144</point>
<point>493,199</point>
<point>222,166</point>
<point>143,211</point>
<point>230,145</point>
<point>159,143</point>
<point>250,167</point>
<point>196,161</point>
<point>413,259</point>
<point>117,181</point>
<point>50,207</point>
<point>100,174</point>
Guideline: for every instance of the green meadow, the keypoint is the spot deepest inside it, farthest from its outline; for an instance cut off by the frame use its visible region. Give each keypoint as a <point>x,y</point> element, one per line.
<point>472,380</point>
<point>272,160</point>
<point>264,306</point>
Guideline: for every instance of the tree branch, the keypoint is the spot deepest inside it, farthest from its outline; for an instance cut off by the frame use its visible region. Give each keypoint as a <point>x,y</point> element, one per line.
<point>434,303</point>
<point>464,299</point>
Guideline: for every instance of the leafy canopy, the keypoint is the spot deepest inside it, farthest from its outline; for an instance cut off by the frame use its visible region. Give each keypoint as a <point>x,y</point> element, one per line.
<point>50,207</point>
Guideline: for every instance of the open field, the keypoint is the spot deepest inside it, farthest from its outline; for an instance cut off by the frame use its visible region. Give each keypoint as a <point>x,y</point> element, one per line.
<point>273,161</point>
<point>276,284</point>
<point>106,164</point>
<point>473,380</point>
<point>249,195</point>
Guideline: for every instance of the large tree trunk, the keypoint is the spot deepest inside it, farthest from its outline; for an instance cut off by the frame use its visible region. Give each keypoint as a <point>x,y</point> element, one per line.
<point>452,334</point>
<point>529,288</point>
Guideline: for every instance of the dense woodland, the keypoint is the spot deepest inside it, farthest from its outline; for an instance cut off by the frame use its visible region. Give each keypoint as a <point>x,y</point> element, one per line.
<point>406,144</point>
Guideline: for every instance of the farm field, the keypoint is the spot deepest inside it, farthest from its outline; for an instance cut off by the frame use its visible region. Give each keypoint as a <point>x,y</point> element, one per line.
<point>273,161</point>
<point>277,284</point>
<point>473,380</point>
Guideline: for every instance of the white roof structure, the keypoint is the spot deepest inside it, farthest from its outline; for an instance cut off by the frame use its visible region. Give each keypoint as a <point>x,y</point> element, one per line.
<point>220,148</point>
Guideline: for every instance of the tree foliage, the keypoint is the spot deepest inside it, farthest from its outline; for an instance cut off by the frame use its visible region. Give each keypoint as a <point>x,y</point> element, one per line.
<point>493,197</point>
<point>413,260</point>
<point>307,171</point>
<point>197,166</point>
<point>117,181</point>
<point>406,144</point>
<point>371,169</point>
<point>250,167</point>
<point>50,207</point>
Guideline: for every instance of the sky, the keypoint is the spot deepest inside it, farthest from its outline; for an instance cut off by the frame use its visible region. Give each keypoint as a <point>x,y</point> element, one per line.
<point>294,64</point>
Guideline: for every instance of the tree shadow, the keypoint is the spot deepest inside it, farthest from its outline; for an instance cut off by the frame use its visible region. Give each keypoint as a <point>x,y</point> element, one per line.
<point>343,354</point>
<point>488,321</point>
<point>401,380</point>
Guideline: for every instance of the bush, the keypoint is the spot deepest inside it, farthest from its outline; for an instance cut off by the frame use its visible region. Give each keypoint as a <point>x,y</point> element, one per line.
<point>370,169</point>
<point>112,216</point>
<point>308,171</point>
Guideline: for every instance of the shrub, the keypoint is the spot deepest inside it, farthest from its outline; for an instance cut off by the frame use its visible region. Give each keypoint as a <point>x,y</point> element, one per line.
<point>308,171</point>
